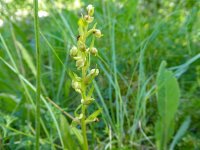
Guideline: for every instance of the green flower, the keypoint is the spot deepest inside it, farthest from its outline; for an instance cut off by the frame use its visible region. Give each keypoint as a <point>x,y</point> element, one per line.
<point>73,51</point>
<point>90,10</point>
<point>97,33</point>
<point>94,51</point>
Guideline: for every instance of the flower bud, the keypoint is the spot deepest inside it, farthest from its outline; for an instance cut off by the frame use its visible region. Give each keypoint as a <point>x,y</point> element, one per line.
<point>88,18</point>
<point>76,85</point>
<point>94,72</point>
<point>73,51</point>
<point>80,116</point>
<point>80,63</point>
<point>87,101</point>
<point>93,50</point>
<point>97,33</point>
<point>90,10</point>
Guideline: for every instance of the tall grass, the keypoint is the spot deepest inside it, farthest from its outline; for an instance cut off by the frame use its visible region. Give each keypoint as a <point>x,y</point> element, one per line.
<point>38,76</point>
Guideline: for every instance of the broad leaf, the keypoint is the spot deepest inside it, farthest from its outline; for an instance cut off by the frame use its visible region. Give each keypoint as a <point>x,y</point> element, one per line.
<point>68,139</point>
<point>168,94</point>
<point>77,133</point>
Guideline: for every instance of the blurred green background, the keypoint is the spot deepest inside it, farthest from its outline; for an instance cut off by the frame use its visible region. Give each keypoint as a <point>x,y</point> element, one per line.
<point>138,35</point>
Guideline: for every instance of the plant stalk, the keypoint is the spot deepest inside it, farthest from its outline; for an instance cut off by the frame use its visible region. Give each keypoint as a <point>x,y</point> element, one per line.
<point>83,127</point>
<point>38,77</point>
<point>83,124</point>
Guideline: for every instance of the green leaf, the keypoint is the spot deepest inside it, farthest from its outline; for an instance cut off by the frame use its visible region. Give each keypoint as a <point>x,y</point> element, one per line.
<point>74,76</point>
<point>90,92</point>
<point>67,87</point>
<point>78,134</point>
<point>76,114</point>
<point>181,131</point>
<point>27,58</point>
<point>8,102</point>
<point>93,115</point>
<point>75,123</point>
<point>69,143</point>
<point>168,94</point>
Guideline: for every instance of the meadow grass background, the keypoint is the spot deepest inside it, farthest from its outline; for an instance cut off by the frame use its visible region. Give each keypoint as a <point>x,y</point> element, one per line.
<point>138,35</point>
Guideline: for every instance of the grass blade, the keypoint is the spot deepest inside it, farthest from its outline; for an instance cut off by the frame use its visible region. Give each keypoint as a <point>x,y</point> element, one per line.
<point>183,128</point>
<point>38,76</point>
<point>27,58</point>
